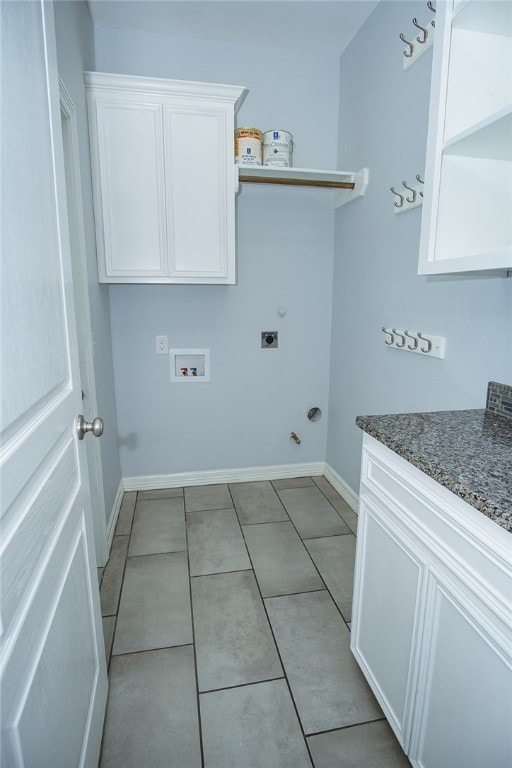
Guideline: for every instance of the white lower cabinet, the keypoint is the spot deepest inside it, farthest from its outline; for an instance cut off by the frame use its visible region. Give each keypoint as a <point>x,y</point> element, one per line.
<point>432,619</point>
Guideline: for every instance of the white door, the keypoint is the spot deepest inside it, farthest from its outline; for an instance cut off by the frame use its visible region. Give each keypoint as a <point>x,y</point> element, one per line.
<point>52,665</point>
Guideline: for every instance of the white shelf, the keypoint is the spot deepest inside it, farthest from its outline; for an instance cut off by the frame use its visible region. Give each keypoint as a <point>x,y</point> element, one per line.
<point>490,138</point>
<point>489,16</point>
<point>479,79</point>
<point>347,184</point>
<point>305,177</point>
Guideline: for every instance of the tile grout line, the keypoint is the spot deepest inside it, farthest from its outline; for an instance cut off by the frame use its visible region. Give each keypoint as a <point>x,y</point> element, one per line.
<point>194,650</point>
<point>242,685</point>
<point>315,566</point>
<point>294,704</point>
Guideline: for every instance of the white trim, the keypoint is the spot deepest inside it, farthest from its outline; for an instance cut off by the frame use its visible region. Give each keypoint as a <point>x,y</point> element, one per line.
<point>233,94</point>
<point>343,488</point>
<point>241,475</point>
<point>116,507</point>
<point>70,142</point>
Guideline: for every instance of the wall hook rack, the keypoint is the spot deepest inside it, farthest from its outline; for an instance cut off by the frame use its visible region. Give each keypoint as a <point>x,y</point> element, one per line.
<point>420,43</point>
<point>409,199</point>
<point>415,341</point>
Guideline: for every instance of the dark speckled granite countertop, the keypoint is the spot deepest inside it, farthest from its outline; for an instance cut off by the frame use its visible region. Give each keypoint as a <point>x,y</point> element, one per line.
<point>469,452</point>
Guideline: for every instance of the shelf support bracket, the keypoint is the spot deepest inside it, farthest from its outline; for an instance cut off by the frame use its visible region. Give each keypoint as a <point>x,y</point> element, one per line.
<point>344,196</point>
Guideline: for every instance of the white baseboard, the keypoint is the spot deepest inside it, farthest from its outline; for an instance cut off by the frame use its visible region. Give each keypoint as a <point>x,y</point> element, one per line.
<point>115,514</point>
<point>343,488</point>
<point>242,475</point>
<point>239,475</point>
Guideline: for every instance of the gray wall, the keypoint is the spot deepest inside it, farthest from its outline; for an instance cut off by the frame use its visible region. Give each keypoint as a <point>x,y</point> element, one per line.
<point>383,124</point>
<point>75,51</point>
<point>244,416</point>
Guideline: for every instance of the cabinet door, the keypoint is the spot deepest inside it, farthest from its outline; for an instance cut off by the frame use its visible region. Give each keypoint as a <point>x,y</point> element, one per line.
<point>387,591</point>
<point>466,715</point>
<point>127,156</point>
<point>199,181</point>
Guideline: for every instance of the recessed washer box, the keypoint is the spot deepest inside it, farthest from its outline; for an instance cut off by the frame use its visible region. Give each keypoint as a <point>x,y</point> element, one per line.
<point>189,365</point>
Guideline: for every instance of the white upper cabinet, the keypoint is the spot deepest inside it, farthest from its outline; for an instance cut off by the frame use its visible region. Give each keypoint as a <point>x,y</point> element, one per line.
<point>164,178</point>
<point>467,212</point>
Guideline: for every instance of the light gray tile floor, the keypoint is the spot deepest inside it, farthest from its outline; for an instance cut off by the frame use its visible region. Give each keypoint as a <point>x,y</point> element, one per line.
<point>334,556</point>
<point>292,482</point>
<point>152,715</point>
<point>113,576</point>
<point>254,726</point>
<point>346,513</point>
<point>280,561</point>
<point>203,497</point>
<point>257,503</point>
<point>326,683</point>
<point>154,611</point>
<point>301,703</point>
<point>311,513</point>
<point>124,521</point>
<point>326,488</point>
<point>158,526</point>
<point>160,493</point>
<point>234,644</point>
<point>109,622</point>
<point>371,745</point>
<point>215,542</point>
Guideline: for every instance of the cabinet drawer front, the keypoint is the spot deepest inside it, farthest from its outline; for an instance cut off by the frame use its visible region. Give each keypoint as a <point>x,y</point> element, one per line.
<point>458,534</point>
<point>200,196</point>
<point>129,198</point>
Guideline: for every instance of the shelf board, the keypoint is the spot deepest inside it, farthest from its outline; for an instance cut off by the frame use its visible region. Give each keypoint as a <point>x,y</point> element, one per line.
<point>301,177</point>
<point>488,16</point>
<point>490,138</point>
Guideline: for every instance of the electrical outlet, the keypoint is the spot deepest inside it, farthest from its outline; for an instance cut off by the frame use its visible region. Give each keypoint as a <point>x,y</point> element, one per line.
<point>162,345</point>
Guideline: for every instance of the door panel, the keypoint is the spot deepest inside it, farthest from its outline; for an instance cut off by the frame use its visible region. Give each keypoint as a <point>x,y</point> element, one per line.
<point>386,613</point>
<point>467,708</point>
<point>132,189</point>
<point>52,665</point>
<point>197,216</point>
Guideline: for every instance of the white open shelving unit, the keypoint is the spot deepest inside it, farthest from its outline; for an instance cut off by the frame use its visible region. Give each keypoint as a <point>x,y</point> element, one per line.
<point>467,223</point>
<point>347,185</point>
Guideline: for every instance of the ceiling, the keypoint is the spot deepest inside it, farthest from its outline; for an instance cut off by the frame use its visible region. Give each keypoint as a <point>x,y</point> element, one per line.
<point>312,26</point>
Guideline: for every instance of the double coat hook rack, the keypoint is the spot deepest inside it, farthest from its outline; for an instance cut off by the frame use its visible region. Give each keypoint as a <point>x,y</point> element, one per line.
<point>416,43</point>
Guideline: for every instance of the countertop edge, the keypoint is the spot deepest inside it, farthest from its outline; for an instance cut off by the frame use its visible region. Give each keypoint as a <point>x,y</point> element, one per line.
<point>452,483</point>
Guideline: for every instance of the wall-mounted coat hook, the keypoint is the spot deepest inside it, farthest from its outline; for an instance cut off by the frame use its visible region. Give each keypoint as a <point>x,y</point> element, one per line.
<point>429,343</point>
<point>431,8</point>
<point>418,178</point>
<point>414,340</point>
<point>390,334</point>
<point>408,53</point>
<point>401,202</point>
<point>411,189</point>
<point>400,343</point>
<point>424,37</point>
